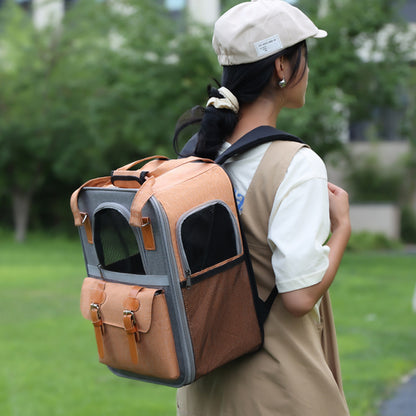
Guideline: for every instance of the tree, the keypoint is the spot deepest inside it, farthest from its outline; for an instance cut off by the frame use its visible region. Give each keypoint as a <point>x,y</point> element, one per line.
<point>156,73</point>
<point>107,85</point>
<point>350,70</point>
<point>104,87</point>
<point>46,75</point>
<point>360,66</point>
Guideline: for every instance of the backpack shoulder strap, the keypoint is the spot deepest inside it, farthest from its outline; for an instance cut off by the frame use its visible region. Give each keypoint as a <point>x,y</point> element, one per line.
<point>255,137</point>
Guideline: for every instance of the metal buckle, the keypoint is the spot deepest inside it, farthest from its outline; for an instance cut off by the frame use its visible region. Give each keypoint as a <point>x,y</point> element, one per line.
<point>145,222</point>
<point>96,307</point>
<point>127,312</point>
<point>84,216</point>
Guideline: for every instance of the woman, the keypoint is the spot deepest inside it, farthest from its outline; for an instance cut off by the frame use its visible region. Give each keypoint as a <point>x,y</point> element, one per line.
<point>262,48</point>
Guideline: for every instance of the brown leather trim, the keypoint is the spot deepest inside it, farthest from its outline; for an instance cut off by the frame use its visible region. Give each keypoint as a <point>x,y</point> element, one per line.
<point>147,233</point>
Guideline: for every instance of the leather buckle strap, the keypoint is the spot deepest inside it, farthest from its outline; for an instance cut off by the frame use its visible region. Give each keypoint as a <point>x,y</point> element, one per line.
<point>147,233</point>
<point>132,304</point>
<point>98,327</point>
<point>132,332</point>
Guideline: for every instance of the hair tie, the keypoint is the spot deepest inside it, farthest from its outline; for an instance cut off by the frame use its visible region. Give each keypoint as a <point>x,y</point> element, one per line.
<point>229,102</point>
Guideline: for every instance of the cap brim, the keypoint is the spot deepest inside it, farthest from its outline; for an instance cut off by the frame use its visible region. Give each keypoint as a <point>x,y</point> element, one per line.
<point>321,34</point>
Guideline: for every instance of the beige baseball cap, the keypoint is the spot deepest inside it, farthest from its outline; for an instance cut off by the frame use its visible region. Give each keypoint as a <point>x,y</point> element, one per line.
<point>254,30</point>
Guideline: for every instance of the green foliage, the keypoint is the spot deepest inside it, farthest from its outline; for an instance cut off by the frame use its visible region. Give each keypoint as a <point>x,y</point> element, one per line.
<point>83,97</point>
<point>227,4</point>
<point>321,122</point>
<point>337,66</point>
<point>366,241</point>
<point>153,77</point>
<point>17,48</point>
<point>408,225</point>
<point>47,76</point>
<point>107,85</point>
<point>409,129</point>
<point>343,87</point>
<point>369,181</point>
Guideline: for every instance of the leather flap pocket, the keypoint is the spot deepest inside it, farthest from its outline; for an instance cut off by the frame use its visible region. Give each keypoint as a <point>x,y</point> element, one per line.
<point>115,300</point>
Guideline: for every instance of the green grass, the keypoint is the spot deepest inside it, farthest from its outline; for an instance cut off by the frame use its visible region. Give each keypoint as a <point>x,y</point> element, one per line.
<point>47,350</point>
<point>372,301</point>
<point>49,364</point>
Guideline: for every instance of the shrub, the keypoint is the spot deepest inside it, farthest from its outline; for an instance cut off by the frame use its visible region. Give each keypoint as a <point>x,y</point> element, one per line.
<point>366,241</point>
<point>370,181</point>
<point>408,225</point>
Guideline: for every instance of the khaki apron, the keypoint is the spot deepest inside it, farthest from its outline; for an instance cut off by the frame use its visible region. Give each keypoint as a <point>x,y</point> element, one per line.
<point>297,371</point>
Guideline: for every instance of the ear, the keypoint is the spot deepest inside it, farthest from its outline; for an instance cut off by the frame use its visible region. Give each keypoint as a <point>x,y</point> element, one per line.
<point>279,65</point>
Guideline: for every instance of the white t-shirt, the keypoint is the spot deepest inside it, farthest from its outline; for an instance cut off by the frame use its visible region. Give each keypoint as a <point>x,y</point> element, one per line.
<point>299,223</point>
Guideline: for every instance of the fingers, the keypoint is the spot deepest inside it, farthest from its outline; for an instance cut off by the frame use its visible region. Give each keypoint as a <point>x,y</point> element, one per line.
<point>338,206</point>
<point>337,194</point>
<point>334,188</point>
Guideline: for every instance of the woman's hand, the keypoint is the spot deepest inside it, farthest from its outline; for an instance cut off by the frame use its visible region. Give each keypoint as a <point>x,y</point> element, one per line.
<point>338,207</point>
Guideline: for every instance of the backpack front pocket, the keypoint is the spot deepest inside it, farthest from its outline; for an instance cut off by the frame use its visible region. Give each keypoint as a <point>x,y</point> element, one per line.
<point>132,327</point>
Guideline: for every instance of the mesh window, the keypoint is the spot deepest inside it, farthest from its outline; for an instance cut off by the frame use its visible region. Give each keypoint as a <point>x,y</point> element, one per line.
<point>208,237</point>
<point>115,243</point>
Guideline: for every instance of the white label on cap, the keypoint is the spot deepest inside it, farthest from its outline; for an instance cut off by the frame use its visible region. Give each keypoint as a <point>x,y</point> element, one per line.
<point>269,45</point>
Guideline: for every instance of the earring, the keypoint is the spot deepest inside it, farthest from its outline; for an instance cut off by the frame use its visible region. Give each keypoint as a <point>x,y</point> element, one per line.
<point>282,83</point>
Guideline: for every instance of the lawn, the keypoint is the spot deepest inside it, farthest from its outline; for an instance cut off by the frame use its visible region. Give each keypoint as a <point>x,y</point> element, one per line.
<point>372,301</point>
<point>48,358</point>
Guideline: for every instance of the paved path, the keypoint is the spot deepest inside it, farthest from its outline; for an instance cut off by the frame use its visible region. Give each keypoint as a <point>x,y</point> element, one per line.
<point>403,402</point>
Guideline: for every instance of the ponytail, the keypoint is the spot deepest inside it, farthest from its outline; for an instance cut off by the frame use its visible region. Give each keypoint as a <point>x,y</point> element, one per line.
<point>246,82</point>
<point>216,126</point>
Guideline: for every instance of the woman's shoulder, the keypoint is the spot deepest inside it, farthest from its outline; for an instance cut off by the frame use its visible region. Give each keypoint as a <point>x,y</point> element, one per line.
<point>308,163</point>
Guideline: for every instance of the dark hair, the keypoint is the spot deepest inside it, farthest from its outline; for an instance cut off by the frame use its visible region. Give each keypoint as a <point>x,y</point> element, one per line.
<point>246,82</point>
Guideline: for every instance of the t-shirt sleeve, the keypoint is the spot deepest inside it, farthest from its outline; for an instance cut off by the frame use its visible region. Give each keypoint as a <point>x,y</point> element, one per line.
<point>299,224</point>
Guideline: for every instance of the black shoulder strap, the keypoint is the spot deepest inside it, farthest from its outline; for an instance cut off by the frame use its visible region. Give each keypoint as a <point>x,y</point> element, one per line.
<point>190,146</point>
<point>259,135</point>
<point>266,306</point>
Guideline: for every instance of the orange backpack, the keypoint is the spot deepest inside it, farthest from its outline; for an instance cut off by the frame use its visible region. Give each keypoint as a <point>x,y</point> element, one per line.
<point>170,290</point>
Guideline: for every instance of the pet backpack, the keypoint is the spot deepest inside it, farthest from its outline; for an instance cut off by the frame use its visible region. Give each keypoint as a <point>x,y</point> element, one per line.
<point>170,291</point>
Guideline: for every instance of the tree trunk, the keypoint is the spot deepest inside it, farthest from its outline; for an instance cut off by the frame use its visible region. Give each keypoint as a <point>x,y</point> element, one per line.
<point>21,207</point>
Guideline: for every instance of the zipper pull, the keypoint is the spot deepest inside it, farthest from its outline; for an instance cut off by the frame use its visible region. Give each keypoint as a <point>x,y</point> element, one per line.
<point>188,278</point>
